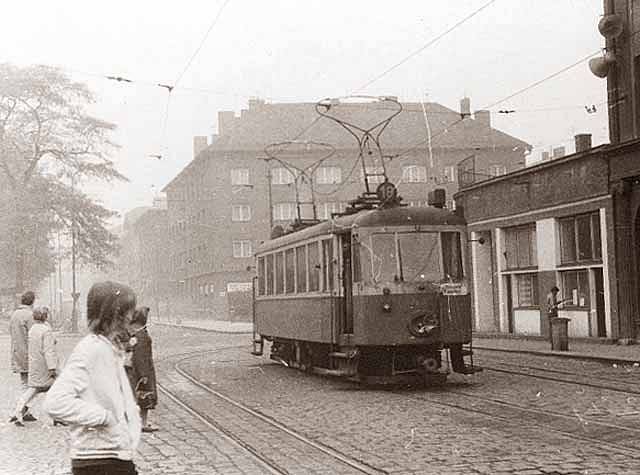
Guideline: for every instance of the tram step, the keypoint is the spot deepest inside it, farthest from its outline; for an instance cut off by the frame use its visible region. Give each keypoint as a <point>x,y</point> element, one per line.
<point>340,354</point>
<point>333,372</point>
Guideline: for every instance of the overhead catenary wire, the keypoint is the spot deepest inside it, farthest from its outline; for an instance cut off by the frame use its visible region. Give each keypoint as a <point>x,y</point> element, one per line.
<point>493,104</point>
<point>424,47</point>
<point>202,42</point>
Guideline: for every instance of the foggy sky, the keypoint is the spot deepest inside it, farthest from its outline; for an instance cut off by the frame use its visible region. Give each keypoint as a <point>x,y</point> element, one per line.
<point>304,51</point>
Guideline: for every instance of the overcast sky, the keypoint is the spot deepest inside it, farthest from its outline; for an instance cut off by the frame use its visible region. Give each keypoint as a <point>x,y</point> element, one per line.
<point>304,51</point>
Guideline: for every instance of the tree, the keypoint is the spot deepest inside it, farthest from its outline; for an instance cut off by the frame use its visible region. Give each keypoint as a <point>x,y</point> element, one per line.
<point>48,144</point>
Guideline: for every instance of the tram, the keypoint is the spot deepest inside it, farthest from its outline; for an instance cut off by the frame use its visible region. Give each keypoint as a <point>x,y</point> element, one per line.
<point>378,294</point>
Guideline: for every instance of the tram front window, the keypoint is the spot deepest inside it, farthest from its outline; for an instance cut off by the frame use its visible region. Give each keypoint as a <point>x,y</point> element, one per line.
<point>419,257</point>
<point>414,257</point>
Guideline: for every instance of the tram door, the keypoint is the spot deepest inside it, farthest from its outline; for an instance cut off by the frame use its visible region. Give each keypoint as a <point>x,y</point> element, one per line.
<point>346,325</point>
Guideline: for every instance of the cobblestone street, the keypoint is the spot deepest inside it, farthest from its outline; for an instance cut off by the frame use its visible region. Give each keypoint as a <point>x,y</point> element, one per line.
<point>483,424</point>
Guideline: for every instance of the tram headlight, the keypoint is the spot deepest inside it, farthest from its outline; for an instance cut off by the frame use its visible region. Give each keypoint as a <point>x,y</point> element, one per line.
<point>386,307</point>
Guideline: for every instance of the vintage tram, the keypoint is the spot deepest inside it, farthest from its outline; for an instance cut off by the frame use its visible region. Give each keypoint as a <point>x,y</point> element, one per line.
<point>378,294</point>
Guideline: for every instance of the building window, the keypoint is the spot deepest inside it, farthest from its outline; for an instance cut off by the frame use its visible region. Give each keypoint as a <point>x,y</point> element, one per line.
<point>328,175</point>
<point>241,213</point>
<point>497,170</point>
<point>449,174</point>
<point>520,247</point>
<point>242,249</point>
<point>283,211</point>
<point>414,174</point>
<point>580,238</point>
<point>375,174</point>
<point>281,176</point>
<point>240,176</point>
<point>575,286</point>
<point>525,290</point>
<point>326,209</point>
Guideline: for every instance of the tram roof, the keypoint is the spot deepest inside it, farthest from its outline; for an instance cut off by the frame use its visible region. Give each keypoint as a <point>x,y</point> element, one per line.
<point>397,216</point>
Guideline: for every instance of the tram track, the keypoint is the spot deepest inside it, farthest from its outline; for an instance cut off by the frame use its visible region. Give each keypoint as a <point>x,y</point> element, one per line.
<point>277,447</point>
<point>616,438</point>
<point>549,373</point>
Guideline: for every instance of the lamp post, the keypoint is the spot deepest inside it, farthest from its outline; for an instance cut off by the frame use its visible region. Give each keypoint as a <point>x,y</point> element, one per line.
<point>74,294</point>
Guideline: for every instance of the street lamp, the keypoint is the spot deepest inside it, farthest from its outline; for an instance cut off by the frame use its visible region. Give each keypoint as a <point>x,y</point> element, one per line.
<point>74,294</point>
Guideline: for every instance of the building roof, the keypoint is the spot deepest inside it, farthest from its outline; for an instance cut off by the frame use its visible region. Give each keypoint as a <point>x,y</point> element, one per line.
<point>263,124</point>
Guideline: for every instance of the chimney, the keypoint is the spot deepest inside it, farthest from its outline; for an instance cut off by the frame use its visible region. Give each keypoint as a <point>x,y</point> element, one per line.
<point>583,142</point>
<point>465,107</point>
<point>558,152</point>
<point>226,120</point>
<point>200,142</point>
<point>483,117</point>
<point>255,103</point>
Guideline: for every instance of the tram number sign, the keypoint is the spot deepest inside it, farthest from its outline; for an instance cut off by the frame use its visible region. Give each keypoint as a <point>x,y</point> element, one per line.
<point>451,288</point>
<point>387,191</point>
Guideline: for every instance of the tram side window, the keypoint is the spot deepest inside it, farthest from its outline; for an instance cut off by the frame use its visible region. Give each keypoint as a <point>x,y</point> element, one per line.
<point>327,265</point>
<point>289,270</point>
<point>269,279</point>
<point>261,276</point>
<point>301,269</point>
<point>280,273</point>
<point>452,255</point>
<point>355,260</point>
<point>314,267</point>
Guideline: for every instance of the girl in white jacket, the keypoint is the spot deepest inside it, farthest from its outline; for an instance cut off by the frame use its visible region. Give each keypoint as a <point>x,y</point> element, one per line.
<point>93,394</point>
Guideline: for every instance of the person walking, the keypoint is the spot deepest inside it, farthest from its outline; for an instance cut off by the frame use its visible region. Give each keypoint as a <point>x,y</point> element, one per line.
<point>141,371</point>
<point>93,393</point>
<point>43,361</point>
<point>19,325</point>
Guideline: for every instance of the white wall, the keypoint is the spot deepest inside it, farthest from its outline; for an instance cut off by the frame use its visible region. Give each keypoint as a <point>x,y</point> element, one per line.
<point>526,322</point>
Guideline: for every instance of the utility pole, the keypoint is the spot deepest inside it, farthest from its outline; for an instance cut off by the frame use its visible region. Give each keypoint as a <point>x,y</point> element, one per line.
<point>74,293</point>
<point>59,286</point>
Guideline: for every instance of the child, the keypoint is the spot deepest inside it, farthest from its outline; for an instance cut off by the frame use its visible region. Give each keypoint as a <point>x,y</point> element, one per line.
<point>93,394</point>
<point>140,370</point>
<point>43,362</point>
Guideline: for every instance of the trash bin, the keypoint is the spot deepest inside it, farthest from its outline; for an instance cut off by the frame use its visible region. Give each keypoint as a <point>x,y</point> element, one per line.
<point>560,334</point>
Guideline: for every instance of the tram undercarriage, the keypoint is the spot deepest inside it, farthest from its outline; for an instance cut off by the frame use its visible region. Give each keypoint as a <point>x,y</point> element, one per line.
<point>376,365</point>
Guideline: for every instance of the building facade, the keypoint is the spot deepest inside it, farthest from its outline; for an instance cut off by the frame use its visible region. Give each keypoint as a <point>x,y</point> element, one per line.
<point>225,202</point>
<point>565,223</point>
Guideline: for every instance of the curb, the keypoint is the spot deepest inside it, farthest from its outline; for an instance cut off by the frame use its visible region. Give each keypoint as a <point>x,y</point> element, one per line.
<point>564,354</point>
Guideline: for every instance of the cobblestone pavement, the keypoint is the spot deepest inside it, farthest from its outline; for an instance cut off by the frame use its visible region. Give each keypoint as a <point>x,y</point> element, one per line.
<point>397,431</point>
<point>183,445</point>
<point>416,431</point>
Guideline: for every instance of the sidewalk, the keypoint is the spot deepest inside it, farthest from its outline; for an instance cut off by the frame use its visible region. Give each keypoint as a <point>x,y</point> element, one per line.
<point>578,348</point>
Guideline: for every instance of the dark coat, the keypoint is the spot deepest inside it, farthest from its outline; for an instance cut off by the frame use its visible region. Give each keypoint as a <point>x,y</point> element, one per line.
<point>142,373</point>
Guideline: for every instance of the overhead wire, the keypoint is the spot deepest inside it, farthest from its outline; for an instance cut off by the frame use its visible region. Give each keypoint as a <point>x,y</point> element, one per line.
<point>170,88</point>
<point>510,96</point>
<point>425,46</point>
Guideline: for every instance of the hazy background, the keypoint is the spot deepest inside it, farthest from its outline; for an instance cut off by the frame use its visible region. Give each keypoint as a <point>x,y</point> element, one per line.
<point>304,51</point>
